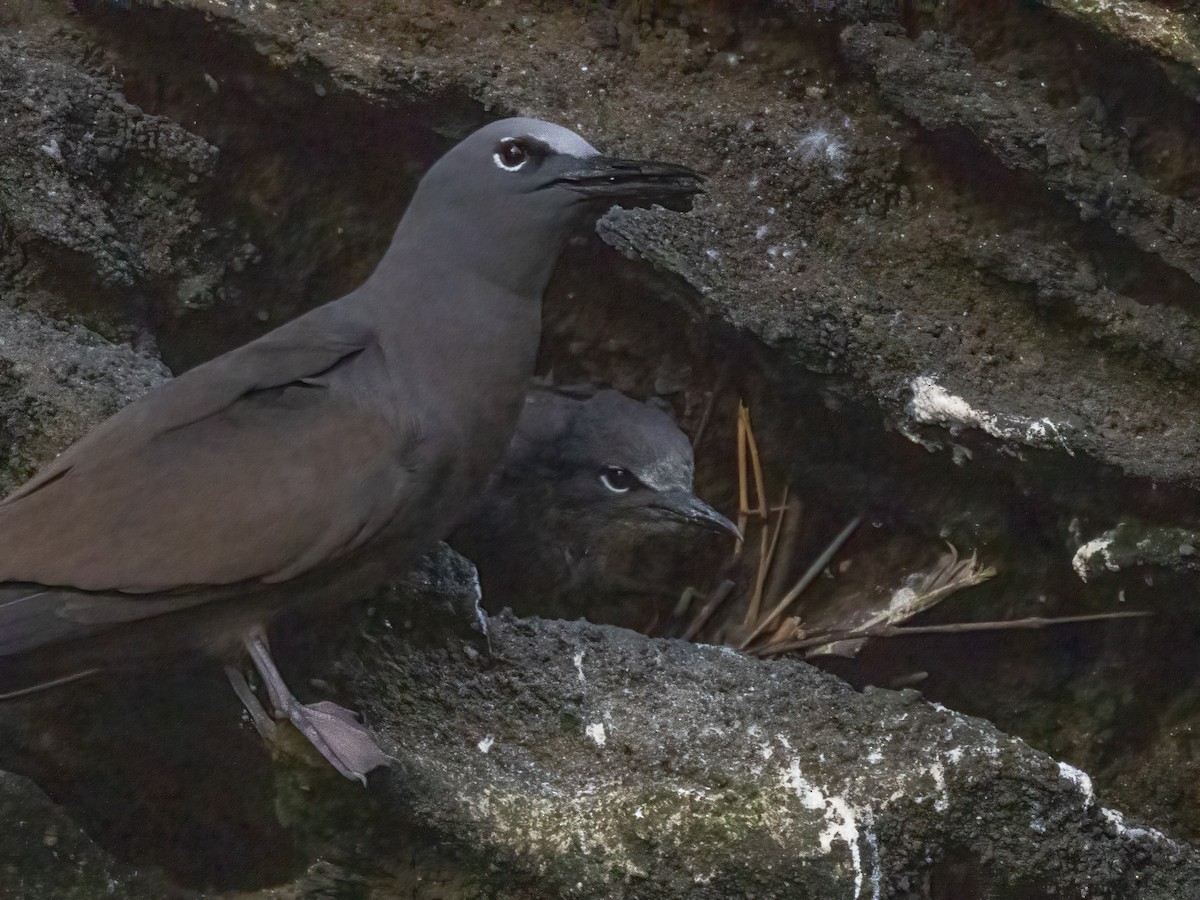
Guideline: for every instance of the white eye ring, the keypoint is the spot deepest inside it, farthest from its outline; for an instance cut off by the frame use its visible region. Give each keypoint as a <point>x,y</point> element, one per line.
<point>510,144</point>
<point>607,482</point>
<point>500,163</point>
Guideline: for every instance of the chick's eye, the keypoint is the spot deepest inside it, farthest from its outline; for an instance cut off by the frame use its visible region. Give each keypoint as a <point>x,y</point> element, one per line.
<point>617,480</point>
<point>511,155</point>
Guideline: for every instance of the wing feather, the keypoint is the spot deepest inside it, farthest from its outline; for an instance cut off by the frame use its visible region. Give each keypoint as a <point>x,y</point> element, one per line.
<point>252,467</point>
<point>303,348</point>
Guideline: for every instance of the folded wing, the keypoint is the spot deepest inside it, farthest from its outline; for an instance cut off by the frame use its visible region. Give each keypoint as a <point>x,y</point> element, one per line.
<point>253,467</point>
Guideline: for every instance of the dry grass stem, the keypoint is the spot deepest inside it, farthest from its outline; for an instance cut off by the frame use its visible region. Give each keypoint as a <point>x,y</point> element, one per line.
<point>884,631</point>
<point>760,490</point>
<point>781,562</point>
<point>949,575</point>
<point>924,591</point>
<point>760,493</point>
<point>743,490</point>
<point>856,616</point>
<point>764,564</point>
<point>718,596</point>
<point>806,579</point>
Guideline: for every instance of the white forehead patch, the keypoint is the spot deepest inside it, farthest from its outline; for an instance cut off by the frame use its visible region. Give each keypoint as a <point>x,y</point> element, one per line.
<point>557,138</point>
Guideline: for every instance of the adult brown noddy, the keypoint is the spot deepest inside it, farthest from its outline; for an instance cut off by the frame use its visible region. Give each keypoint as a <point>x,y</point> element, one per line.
<point>593,512</point>
<point>319,460</point>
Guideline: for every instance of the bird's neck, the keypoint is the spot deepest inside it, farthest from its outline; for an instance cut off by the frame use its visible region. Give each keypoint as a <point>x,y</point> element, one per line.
<point>457,337</point>
<point>471,289</point>
<point>490,242</point>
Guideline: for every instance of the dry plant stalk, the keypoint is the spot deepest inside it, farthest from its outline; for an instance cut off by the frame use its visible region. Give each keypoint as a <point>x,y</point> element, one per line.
<point>771,627</point>
<point>743,492</point>
<point>818,566</point>
<point>764,564</point>
<point>948,576</point>
<point>1030,623</point>
<point>748,452</point>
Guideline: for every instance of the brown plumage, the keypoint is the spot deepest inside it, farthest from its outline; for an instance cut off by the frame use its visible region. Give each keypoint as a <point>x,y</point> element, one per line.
<point>322,458</point>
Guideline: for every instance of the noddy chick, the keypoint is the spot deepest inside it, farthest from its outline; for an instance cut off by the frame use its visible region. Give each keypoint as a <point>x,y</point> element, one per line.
<point>318,461</point>
<point>593,512</point>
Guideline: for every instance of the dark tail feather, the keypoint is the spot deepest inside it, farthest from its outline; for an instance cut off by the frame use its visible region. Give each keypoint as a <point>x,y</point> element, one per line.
<point>33,615</point>
<point>48,685</point>
<point>30,617</point>
<point>54,636</point>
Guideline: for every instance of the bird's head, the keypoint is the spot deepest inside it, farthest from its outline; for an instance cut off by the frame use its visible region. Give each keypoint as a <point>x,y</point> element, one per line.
<point>505,198</point>
<point>540,168</point>
<point>626,463</point>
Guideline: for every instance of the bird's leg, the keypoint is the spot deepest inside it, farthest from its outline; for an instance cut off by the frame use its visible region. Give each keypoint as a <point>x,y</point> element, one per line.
<point>333,730</point>
<point>262,722</point>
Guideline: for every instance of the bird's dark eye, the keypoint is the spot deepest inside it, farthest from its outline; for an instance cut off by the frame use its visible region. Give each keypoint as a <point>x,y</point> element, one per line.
<point>617,480</point>
<point>511,155</point>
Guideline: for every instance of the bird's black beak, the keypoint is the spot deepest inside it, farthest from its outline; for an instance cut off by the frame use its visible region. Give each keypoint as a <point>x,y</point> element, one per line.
<point>694,511</point>
<point>633,183</point>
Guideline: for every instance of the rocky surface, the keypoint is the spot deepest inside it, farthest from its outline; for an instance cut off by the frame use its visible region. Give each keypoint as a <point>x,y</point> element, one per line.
<point>98,200</point>
<point>948,265</point>
<point>823,199</point>
<point>56,381</point>
<point>591,761</point>
<point>44,854</point>
<point>1171,37</point>
<point>535,758</point>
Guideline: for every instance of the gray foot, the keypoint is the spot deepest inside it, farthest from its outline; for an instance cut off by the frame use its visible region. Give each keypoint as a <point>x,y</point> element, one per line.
<point>334,731</point>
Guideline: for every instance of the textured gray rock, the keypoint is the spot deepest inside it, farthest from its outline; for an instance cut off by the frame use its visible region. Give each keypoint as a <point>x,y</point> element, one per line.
<point>92,188</point>
<point>43,854</point>
<point>591,761</point>
<point>1133,545</point>
<point>551,759</point>
<point>938,82</point>
<point>1171,36</point>
<point>56,381</point>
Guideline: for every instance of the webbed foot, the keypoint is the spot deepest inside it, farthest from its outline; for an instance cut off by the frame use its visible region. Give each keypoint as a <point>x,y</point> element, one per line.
<point>333,730</point>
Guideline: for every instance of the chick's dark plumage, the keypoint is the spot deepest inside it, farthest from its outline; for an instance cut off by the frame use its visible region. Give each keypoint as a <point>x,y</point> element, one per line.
<point>593,514</point>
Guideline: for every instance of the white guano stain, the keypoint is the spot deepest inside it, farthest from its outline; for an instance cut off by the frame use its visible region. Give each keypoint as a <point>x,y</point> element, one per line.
<point>1081,561</point>
<point>932,404</point>
<point>821,146</point>
<point>1081,780</point>
<point>876,866</point>
<point>596,732</point>
<point>1134,833</point>
<point>938,771</point>
<point>481,617</point>
<point>578,659</point>
<point>841,819</point>
<point>486,744</point>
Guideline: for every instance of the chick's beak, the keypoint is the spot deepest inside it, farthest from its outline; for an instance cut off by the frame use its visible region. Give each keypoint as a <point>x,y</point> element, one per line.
<point>694,511</point>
